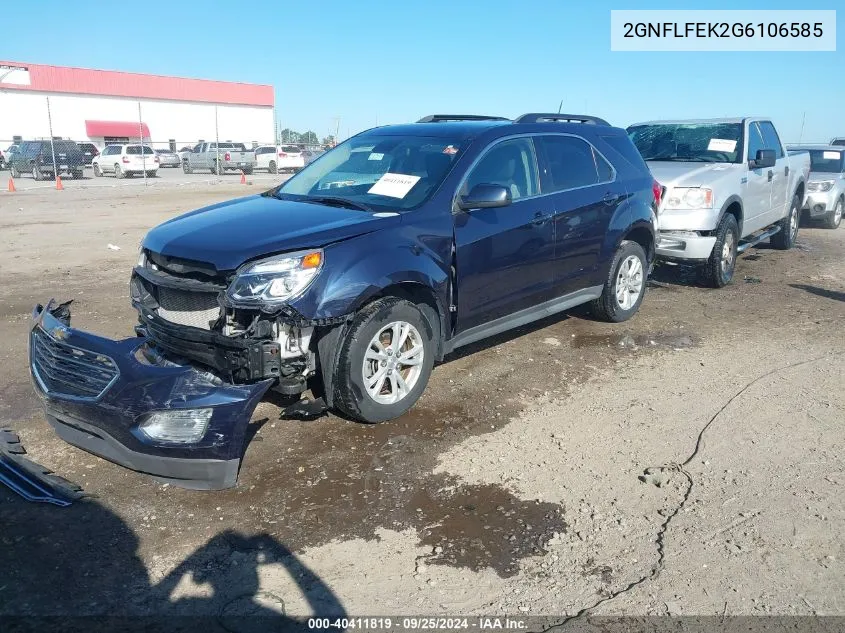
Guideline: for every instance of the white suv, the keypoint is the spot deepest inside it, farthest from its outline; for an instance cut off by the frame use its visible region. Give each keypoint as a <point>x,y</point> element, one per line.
<point>126,160</point>
<point>276,159</point>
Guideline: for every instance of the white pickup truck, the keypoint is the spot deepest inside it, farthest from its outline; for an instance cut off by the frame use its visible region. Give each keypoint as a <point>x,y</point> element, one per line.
<point>727,185</point>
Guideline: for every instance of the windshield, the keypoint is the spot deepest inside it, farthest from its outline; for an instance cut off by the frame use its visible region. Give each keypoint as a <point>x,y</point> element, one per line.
<point>696,142</point>
<point>825,161</point>
<point>382,172</point>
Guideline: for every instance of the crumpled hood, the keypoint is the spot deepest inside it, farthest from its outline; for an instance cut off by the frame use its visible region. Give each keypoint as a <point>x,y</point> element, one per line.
<point>230,233</point>
<point>689,174</point>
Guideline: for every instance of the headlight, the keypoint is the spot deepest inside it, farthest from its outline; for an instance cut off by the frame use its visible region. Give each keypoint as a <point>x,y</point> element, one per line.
<point>179,426</point>
<point>689,198</point>
<point>275,280</point>
<point>142,258</point>
<point>820,185</point>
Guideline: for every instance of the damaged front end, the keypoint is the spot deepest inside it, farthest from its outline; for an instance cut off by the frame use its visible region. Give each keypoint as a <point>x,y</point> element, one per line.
<point>129,403</point>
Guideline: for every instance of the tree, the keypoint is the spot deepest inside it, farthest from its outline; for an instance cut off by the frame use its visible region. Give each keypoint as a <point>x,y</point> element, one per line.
<point>309,138</point>
<point>289,136</point>
<point>329,141</point>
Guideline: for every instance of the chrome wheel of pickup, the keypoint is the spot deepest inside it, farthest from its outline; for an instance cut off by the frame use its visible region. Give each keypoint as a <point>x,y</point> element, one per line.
<point>393,362</point>
<point>629,282</point>
<point>728,255</point>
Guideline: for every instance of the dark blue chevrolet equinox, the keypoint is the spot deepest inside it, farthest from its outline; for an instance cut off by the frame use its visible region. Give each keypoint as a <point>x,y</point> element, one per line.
<point>353,277</point>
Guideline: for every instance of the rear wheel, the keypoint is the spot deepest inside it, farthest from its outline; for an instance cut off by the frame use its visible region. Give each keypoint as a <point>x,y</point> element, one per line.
<point>788,234</point>
<point>625,285</point>
<point>720,266</point>
<point>97,172</point>
<point>385,361</point>
<point>216,168</point>
<point>118,172</point>
<point>833,219</point>
<point>271,168</point>
<point>36,173</point>
<point>151,174</point>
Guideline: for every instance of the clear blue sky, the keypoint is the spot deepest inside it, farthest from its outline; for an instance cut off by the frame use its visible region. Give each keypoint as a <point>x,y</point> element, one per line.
<point>370,61</point>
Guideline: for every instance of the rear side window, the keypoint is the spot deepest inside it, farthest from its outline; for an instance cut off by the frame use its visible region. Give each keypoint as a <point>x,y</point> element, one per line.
<point>755,141</point>
<point>570,163</point>
<point>770,137</point>
<point>626,148</point>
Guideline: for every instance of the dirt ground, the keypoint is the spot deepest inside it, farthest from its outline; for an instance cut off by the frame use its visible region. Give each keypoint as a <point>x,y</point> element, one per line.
<point>689,461</point>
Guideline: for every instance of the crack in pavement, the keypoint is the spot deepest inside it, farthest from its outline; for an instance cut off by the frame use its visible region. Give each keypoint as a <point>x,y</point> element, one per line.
<point>648,477</point>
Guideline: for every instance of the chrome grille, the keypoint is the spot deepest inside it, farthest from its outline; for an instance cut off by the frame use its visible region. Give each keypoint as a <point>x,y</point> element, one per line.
<point>63,369</point>
<point>195,309</point>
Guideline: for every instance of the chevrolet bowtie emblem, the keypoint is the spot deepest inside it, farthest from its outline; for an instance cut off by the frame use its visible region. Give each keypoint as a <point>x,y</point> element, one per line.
<point>59,333</point>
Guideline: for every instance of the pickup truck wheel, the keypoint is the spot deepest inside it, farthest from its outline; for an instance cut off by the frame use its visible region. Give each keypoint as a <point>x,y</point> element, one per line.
<point>186,168</point>
<point>271,168</point>
<point>720,266</point>
<point>13,171</point>
<point>834,218</point>
<point>385,361</point>
<point>625,285</point>
<point>36,173</point>
<point>788,234</point>
<point>217,169</point>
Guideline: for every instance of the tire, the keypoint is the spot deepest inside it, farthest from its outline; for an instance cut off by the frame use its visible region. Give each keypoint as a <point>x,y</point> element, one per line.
<point>13,171</point>
<point>833,219</point>
<point>36,173</point>
<point>151,174</point>
<point>351,395</point>
<point>248,171</point>
<point>97,172</point>
<point>271,168</point>
<point>788,234</point>
<point>187,168</point>
<point>118,172</point>
<point>217,169</point>
<point>629,266</point>
<point>719,269</point>
<point>78,175</point>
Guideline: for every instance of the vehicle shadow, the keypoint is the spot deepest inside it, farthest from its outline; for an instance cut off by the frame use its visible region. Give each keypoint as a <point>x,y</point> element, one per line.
<point>80,569</point>
<point>820,292</point>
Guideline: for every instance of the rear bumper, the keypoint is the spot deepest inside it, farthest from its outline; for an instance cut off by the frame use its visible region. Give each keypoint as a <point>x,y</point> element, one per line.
<point>686,246</point>
<point>107,423</point>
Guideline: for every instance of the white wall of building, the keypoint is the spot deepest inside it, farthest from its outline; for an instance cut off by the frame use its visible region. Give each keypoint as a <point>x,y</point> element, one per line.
<point>24,113</point>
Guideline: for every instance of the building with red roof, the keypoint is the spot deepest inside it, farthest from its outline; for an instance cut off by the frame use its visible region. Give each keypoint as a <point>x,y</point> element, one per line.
<point>103,106</point>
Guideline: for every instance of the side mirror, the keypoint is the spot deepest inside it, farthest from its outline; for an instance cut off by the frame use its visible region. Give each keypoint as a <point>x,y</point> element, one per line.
<point>485,197</point>
<point>765,158</point>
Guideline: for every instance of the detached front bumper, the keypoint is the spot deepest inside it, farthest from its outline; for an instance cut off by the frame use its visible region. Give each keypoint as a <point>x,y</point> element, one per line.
<point>96,392</point>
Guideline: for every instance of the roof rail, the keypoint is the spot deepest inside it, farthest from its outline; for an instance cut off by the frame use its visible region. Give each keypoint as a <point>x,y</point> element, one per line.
<point>438,118</point>
<point>538,117</point>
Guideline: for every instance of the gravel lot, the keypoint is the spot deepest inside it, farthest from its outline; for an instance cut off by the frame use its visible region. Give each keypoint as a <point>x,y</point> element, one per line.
<point>686,462</point>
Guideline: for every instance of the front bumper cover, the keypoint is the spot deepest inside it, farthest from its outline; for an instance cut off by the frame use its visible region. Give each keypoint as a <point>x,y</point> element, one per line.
<point>107,424</point>
<point>687,245</point>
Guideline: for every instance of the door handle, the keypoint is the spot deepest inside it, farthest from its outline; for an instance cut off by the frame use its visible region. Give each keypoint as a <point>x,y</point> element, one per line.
<point>540,219</point>
<point>610,198</point>
<point>786,170</point>
<point>771,175</point>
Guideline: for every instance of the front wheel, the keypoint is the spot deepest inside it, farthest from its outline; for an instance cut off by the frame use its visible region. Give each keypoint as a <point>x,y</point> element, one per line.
<point>97,172</point>
<point>36,173</point>
<point>788,234</point>
<point>720,266</point>
<point>13,171</point>
<point>833,219</point>
<point>187,168</point>
<point>625,285</point>
<point>385,361</point>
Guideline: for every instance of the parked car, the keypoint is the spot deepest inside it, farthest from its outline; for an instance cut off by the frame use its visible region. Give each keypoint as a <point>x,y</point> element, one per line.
<point>125,161</point>
<point>727,185</point>
<point>90,151</point>
<point>838,141</point>
<point>168,158</point>
<point>219,158</point>
<point>36,158</point>
<point>473,226</point>
<point>183,152</point>
<point>279,158</point>
<point>826,186</point>
<point>310,155</point>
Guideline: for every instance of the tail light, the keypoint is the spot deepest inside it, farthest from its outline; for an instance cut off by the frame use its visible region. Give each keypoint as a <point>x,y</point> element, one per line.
<point>155,159</point>
<point>125,159</point>
<point>657,190</point>
<point>227,156</point>
<point>282,155</point>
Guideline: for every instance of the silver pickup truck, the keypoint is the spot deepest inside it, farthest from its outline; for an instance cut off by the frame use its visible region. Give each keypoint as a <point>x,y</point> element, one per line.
<point>219,157</point>
<point>727,184</point>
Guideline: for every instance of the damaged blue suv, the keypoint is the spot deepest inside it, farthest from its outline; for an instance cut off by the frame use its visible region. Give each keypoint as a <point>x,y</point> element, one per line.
<point>352,278</point>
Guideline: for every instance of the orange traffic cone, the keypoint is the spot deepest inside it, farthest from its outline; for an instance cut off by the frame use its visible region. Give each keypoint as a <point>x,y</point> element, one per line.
<point>59,186</point>
<point>12,185</point>
<point>243,177</point>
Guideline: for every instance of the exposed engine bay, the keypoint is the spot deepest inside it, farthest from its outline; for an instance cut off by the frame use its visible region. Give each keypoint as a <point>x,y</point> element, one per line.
<point>185,312</point>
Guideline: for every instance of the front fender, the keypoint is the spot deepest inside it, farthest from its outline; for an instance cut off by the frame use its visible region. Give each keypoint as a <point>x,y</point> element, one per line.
<point>362,268</point>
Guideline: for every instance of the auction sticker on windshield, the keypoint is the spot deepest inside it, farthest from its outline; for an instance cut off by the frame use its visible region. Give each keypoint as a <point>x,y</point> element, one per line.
<point>394,185</point>
<point>721,145</point>
<point>831,155</point>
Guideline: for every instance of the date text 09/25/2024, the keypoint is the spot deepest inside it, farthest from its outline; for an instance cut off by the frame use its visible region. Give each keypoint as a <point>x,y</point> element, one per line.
<point>423,623</point>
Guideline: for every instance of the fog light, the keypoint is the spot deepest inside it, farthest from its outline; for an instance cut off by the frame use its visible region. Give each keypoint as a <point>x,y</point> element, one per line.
<point>180,426</point>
